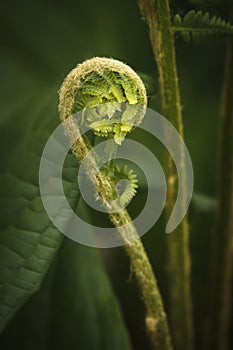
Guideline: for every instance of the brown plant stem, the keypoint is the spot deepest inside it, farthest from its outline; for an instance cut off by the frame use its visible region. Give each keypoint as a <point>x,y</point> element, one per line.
<point>157,16</point>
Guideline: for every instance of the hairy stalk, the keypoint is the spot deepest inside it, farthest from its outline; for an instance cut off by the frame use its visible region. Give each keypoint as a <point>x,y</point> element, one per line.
<point>156,320</point>
<point>157,16</point>
<point>222,272</point>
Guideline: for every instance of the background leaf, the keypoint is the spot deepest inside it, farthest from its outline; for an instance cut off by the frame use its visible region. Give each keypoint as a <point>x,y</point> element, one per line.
<point>85,312</point>
<point>28,240</point>
<point>75,307</point>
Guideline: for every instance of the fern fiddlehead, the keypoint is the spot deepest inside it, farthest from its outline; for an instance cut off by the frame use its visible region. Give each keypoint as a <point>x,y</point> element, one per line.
<point>104,83</point>
<point>112,98</point>
<point>199,26</point>
<point>155,318</point>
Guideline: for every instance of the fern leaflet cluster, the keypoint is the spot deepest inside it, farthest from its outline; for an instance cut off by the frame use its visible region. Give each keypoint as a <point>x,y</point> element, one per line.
<point>126,189</point>
<point>199,26</point>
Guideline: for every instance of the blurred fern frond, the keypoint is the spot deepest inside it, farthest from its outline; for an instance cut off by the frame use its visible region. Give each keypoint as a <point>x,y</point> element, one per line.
<point>199,26</point>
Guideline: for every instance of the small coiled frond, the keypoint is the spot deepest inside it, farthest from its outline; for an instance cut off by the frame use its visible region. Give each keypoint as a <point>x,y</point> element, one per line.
<point>199,26</point>
<point>126,190</point>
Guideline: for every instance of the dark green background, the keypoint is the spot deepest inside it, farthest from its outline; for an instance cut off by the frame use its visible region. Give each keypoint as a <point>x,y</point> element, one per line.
<point>41,42</point>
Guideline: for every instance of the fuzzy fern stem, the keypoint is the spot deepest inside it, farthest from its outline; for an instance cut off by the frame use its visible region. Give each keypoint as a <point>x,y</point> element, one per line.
<point>157,16</point>
<point>155,319</point>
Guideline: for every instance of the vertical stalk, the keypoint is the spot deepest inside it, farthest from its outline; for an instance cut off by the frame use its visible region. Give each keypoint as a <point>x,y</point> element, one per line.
<point>222,272</point>
<point>156,319</point>
<point>157,16</point>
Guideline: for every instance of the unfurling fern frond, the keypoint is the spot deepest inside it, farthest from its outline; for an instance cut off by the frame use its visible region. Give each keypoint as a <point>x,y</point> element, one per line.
<point>110,94</point>
<point>127,189</point>
<point>199,26</point>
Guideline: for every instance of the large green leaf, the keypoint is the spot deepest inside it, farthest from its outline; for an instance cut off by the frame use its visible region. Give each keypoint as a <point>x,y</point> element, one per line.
<point>30,327</point>
<point>29,241</point>
<point>85,312</point>
<point>74,308</point>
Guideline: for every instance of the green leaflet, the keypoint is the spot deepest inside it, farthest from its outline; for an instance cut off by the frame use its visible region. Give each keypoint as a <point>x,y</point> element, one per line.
<point>199,26</point>
<point>203,203</point>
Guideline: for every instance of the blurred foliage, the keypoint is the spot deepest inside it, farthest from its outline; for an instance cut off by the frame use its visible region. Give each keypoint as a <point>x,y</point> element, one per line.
<point>41,42</point>
<point>199,26</point>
